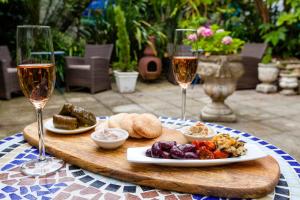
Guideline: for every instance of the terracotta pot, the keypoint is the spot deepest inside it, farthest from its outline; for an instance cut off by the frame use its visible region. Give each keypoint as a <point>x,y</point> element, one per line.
<point>220,75</point>
<point>150,66</point>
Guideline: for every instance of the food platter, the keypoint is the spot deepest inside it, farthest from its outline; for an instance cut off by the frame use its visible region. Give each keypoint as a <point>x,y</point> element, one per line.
<point>138,156</point>
<point>50,127</point>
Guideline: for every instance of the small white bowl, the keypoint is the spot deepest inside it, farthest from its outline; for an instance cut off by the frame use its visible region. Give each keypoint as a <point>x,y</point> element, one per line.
<point>110,144</point>
<point>190,138</point>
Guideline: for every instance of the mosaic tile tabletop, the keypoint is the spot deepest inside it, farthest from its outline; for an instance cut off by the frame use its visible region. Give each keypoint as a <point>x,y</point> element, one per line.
<point>74,183</point>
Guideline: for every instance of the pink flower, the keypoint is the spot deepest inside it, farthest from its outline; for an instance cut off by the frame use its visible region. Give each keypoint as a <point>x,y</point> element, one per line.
<point>193,37</point>
<point>227,40</point>
<point>207,32</point>
<point>200,30</point>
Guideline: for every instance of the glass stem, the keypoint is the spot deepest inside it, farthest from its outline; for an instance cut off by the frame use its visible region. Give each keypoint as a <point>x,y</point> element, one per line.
<point>183,103</point>
<point>39,116</point>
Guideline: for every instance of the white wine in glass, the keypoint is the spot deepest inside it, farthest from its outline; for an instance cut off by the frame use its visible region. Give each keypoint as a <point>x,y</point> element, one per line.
<point>36,73</point>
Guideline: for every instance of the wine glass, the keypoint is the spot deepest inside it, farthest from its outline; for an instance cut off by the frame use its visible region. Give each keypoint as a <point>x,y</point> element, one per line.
<point>36,73</point>
<point>185,61</point>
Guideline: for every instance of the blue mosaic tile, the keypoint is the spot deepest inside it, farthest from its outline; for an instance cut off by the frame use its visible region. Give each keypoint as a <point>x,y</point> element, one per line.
<point>19,134</point>
<point>78,173</point>
<point>263,143</point>
<point>283,191</point>
<point>294,163</point>
<point>54,190</point>
<point>282,183</point>
<point>86,179</point>
<point>246,135</point>
<point>35,188</point>
<point>14,146</point>
<point>14,196</point>
<point>197,196</point>
<point>164,117</point>
<point>40,193</point>
<point>30,196</point>
<point>31,157</point>
<point>47,185</point>
<point>46,198</point>
<point>21,155</point>
<point>193,120</point>
<point>36,152</point>
<point>2,196</point>
<point>102,117</point>
<point>7,150</point>
<point>280,152</point>
<point>23,190</point>
<point>60,184</point>
<point>1,154</point>
<point>1,142</point>
<point>219,126</point>
<point>8,138</point>
<point>22,142</point>
<point>18,162</point>
<point>131,189</point>
<point>73,167</point>
<point>278,197</point>
<point>145,188</point>
<point>228,129</point>
<point>236,131</point>
<point>255,139</point>
<point>112,187</point>
<point>211,198</point>
<point>9,189</point>
<point>297,170</point>
<point>6,167</point>
<point>271,147</point>
<point>97,184</point>
<point>287,158</point>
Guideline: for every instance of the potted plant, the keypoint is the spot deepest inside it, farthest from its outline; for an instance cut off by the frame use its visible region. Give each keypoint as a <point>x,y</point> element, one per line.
<point>267,74</point>
<point>220,67</point>
<point>124,69</point>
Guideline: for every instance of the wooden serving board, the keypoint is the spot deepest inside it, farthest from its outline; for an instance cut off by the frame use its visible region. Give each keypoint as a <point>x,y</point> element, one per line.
<point>250,179</point>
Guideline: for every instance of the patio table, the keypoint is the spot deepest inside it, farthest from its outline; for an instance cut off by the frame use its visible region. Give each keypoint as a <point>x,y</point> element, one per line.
<point>72,182</point>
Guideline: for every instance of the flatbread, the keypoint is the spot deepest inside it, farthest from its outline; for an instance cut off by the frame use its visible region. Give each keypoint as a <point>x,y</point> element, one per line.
<point>147,125</point>
<point>127,124</point>
<point>115,120</point>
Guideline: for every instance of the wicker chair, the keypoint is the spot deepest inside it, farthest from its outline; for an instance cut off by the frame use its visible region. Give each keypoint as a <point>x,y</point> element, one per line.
<point>91,71</point>
<point>8,74</point>
<point>252,54</point>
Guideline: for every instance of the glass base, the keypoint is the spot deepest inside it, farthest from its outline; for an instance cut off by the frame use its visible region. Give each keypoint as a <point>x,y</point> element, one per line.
<point>42,168</point>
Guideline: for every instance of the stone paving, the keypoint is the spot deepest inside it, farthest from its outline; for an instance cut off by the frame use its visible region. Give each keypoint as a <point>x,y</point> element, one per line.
<point>272,117</point>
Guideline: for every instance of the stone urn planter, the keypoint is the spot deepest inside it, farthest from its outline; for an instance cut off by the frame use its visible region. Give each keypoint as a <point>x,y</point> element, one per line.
<point>288,83</point>
<point>220,75</point>
<point>267,74</point>
<point>126,81</point>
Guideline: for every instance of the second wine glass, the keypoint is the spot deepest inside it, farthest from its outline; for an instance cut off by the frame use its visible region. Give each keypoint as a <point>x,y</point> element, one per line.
<point>185,61</point>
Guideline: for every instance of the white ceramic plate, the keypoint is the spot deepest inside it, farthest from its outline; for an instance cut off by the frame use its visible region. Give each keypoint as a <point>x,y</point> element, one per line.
<point>138,155</point>
<point>50,127</point>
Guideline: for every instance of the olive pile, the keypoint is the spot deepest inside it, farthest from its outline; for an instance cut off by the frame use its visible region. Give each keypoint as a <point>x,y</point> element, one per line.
<point>172,150</point>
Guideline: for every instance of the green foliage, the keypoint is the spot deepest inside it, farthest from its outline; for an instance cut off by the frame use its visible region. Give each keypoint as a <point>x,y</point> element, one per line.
<point>268,56</point>
<point>282,33</point>
<point>122,43</point>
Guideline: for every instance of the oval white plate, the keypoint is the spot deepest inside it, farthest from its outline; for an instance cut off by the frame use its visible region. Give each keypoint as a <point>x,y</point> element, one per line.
<point>50,127</point>
<point>138,155</point>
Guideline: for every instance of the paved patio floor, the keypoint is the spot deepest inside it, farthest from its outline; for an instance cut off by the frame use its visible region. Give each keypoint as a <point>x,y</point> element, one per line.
<point>272,117</point>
